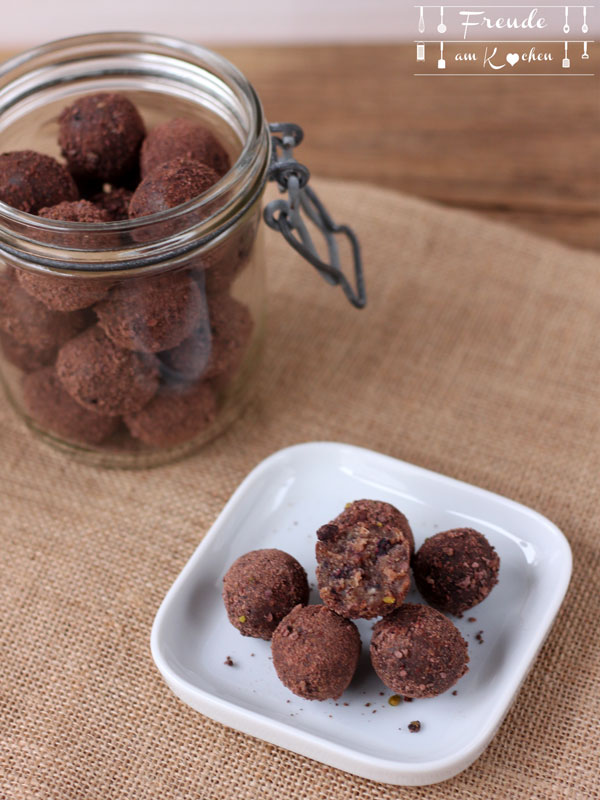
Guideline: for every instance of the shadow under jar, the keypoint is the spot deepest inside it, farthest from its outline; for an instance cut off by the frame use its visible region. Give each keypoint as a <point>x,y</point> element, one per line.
<point>132,343</point>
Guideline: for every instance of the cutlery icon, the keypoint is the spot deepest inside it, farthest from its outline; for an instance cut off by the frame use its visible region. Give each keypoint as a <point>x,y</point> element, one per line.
<point>584,27</point>
<point>441,59</point>
<point>441,27</point>
<point>585,53</point>
<point>421,22</point>
<point>566,28</point>
<point>566,60</point>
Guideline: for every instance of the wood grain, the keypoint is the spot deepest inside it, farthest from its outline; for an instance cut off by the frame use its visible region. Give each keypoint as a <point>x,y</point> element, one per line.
<point>523,150</point>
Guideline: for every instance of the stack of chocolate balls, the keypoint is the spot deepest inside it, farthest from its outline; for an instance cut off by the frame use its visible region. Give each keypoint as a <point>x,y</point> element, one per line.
<point>364,557</point>
<point>145,356</point>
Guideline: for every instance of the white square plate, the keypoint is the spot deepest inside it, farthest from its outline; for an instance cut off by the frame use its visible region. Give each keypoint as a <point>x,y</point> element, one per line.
<point>281,504</point>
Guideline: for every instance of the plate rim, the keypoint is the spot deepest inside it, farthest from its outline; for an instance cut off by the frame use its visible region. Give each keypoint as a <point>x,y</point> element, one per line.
<point>357,762</point>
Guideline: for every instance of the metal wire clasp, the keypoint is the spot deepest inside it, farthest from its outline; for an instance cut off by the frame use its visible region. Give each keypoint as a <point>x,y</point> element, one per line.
<point>284,215</point>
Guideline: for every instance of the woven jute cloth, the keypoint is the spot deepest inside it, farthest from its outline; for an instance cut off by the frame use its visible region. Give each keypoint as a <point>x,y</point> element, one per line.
<point>478,356</point>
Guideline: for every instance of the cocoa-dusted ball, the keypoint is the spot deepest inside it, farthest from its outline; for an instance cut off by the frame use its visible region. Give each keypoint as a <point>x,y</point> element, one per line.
<point>115,202</point>
<point>105,378</point>
<point>174,415</point>
<point>51,407</point>
<point>29,181</point>
<point>378,514</point>
<point>154,313</point>
<point>190,359</point>
<point>418,652</point>
<point>231,327</point>
<point>72,293</point>
<point>171,184</point>
<point>182,138</point>
<point>100,136</point>
<point>315,652</point>
<point>24,356</point>
<point>260,588</point>
<point>75,211</point>
<point>455,570</point>
<point>31,323</point>
<point>362,565</point>
<point>219,267</point>
<point>216,347</point>
<point>63,294</point>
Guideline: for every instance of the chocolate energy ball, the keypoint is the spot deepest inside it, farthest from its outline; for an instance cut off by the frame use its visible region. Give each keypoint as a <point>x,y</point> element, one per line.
<point>51,407</point>
<point>315,652</point>
<point>29,322</point>
<point>100,137</point>
<point>418,652</point>
<point>189,360</point>
<point>376,513</point>
<point>56,292</point>
<point>172,183</point>
<point>455,570</point>
<point>231,327</point>
<point>182,138</point>
<point>115,202</point>
<point>225,263</point>
<point>75,211</point>
<point>154,313</point>
<point>260,588</point>
<point>362,566</point>
<point>217,347</point>
<point>29,181</point>
<point>105,378</point>
<point>25,356</point>
<point>174,415</point>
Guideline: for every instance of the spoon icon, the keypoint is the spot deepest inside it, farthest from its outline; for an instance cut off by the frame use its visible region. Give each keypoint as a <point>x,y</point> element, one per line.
<point>566,28</point>
<point>421,22</point>
<point>441,27</point>
<point>584,27</point>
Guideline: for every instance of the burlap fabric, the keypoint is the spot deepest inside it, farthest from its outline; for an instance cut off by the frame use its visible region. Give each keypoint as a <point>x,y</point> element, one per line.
<point>478,356</point>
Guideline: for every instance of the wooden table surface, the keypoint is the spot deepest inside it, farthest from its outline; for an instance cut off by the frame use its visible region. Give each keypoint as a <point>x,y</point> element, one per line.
<point>523,150</point>
<point>526,150</point>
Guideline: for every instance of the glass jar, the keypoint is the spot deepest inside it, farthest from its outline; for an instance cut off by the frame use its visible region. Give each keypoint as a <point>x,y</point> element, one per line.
<point>133,342</point>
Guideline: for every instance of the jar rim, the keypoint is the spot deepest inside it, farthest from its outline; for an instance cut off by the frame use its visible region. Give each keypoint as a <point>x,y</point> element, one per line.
<point>231,195</point>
